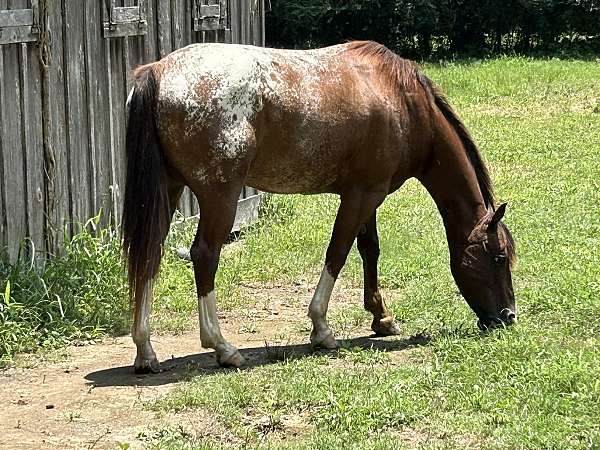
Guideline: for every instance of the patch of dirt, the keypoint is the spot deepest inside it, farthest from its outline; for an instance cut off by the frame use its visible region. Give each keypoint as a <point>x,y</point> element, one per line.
<point>420,438</point>
<point>92,398</point>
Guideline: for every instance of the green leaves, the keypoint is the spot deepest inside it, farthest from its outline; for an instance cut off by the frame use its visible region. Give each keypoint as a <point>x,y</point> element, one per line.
<point>77,296</point>
<point>426,28</point>
<point>7,293</point>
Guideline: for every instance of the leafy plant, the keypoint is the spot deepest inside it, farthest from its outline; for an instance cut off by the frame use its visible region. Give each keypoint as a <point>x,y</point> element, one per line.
<point>77,296</point>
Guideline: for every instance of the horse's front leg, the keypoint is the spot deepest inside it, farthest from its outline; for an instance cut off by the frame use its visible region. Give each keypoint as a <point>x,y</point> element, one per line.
<point>355,208</point>
<point>367,242</point>
<point>217,214</point>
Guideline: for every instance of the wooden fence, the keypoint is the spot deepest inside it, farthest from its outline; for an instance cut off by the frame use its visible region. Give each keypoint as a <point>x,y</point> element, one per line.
<point>64,68</point>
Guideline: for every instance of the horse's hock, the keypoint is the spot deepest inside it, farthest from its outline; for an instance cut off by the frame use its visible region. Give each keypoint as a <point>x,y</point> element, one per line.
<point>64,79</point>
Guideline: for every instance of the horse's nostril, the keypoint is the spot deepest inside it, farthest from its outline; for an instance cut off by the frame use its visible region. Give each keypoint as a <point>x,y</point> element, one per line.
<point>508,316</point>
<point>511,318</point>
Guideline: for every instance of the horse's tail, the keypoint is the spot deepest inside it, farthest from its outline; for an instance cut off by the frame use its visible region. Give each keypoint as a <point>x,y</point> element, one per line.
<point>146,211</point>
<point>439,100</point>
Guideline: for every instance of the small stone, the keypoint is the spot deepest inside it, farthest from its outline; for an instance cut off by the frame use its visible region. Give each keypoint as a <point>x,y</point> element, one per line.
<point>50,406</point>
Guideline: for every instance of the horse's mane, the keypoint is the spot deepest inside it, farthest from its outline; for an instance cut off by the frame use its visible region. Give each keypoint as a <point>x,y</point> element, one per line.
<point>399,71</point>
<point>405,74</point>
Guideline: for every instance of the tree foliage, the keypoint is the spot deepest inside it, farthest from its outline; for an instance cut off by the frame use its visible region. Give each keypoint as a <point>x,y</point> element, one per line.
<point>422,28</point>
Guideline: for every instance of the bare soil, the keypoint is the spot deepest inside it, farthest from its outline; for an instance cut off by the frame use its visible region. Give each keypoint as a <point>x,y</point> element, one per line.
<point>92,399</point>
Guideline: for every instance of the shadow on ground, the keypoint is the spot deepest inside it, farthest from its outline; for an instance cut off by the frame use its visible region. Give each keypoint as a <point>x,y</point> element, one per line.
<point>178,369</point>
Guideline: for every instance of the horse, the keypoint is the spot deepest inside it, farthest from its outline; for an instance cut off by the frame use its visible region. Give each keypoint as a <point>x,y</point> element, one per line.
<point>353,119</point>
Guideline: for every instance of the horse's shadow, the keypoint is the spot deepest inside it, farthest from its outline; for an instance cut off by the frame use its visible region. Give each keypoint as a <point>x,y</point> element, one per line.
<point>179,369</point>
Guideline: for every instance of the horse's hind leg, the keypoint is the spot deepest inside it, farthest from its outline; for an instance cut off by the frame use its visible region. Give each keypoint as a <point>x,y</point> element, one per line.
<point>145,360</point>
<point>217,213</point>
<point>367,242</point>
<point>355,208</point>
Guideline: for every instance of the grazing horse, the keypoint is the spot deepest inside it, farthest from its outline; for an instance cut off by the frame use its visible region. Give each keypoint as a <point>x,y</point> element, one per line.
<point>353,119</point>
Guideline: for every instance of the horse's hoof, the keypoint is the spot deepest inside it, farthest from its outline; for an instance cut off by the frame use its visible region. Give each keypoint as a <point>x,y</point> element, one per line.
<point>324,340</point>
<point>385,327</point>
<point>144,366</point>
<point>234,360</point>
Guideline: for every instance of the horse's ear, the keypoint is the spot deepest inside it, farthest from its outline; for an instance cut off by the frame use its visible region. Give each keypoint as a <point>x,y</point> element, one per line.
<point>497,216</point>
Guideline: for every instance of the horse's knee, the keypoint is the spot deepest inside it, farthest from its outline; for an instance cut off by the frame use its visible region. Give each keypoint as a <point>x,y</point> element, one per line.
<point>200,253</point>
<point>335,260</point>
<point>205,262</point>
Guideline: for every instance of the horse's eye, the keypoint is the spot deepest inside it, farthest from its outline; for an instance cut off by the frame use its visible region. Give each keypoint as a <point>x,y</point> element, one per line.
<point>500,259</point>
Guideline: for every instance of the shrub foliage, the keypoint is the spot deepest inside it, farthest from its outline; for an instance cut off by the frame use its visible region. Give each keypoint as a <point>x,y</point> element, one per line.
<point>424,28</point>
<point>77,296</point>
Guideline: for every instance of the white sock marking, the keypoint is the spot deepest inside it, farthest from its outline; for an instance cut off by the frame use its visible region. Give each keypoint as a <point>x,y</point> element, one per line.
<point>210,333</point>
<point>320,301</point>
<point>141,332</point>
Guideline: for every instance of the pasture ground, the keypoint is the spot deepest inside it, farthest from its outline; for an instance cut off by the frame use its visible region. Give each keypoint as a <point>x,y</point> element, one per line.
<point>441,383</point>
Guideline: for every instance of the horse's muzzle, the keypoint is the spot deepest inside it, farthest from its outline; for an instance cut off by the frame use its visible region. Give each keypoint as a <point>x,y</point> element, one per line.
<point>506,318</point>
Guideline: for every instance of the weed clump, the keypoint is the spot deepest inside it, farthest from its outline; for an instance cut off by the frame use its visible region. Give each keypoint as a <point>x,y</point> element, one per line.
<point>75,297</point>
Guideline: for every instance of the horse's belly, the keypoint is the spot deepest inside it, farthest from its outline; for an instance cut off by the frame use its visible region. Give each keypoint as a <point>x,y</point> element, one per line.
<point>291,177</point>
<point>301,151</point>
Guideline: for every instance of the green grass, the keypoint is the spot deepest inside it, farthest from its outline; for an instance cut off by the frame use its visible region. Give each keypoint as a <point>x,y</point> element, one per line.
<point>533,386</point>
<point>77,297</point>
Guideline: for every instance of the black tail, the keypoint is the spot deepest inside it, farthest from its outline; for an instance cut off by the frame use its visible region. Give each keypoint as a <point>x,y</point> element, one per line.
<point>483,177</point>
<point>146,211</point>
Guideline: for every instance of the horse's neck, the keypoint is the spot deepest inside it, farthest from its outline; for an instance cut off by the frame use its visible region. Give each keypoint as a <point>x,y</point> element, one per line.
<point>452,183</point>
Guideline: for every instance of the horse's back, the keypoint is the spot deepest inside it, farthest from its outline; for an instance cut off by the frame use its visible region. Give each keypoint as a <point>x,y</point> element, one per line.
<point>289,120</point>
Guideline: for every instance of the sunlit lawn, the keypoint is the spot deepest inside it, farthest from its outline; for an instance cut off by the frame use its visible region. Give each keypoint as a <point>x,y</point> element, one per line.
<point>536,385</point>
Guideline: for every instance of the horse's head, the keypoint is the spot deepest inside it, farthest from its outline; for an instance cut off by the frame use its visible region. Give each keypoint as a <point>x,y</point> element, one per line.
<point>482,271</point>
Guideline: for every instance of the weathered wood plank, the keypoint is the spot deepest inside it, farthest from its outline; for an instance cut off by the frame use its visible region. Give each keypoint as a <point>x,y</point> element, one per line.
<point>3,146</point>
<point>105,125</point>
<point>77,119</point>
<point>125,29</point>
<point>14,35</point>
<point>188,26</point>
<point>118,99</point>
<point>22,31</point>
<point>151,39</point>
<point>57,119</point>
<point>178,23</point>
<point>245,22</point>
<point>234,22</point>
<point>126,14</point>
<point>31,107</point>
<point>3,217</point>
<point>165,39</point>
<point>263,22</point>
<point>130,43</point>
<point>96,93</point>
<point>13,157</point>
<point>258,15</point>
<point>16,18</point>
<point>133,50</point>
<point>124,19</point>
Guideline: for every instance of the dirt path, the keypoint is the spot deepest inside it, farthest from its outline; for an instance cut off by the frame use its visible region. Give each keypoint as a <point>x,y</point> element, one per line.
<point>92,398</point>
